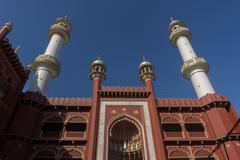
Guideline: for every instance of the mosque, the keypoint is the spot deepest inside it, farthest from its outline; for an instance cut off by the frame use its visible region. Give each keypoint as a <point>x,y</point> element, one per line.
<point>116,123</point>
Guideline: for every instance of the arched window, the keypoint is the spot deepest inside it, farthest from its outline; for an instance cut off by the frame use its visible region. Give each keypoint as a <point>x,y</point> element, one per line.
<point>203,155</point>
<point>179,155</point>
<point>76,127</point>
<point>171,127</point>
<point>44,155</point>
<point>71,155</point>
<point>125,140</point>
<point>52,127</point>
<point>194,127</point>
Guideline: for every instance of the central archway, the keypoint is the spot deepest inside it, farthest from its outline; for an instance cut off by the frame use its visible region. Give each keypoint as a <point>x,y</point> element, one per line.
<point>125,140</point>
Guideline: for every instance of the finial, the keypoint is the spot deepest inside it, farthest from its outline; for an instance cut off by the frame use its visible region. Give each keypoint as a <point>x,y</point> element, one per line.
<point>144,58</point>
<point>98,57</point>
<point>9,25</point>
<point>65,17</point>
<point>171,19</point>
<point>16,51</point>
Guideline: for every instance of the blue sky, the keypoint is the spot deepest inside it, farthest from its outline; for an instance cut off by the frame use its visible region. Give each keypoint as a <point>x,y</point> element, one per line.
<point>122,31</point>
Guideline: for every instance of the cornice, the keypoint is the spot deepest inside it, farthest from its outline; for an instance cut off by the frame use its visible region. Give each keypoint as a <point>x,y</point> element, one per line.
<point>8,52</point>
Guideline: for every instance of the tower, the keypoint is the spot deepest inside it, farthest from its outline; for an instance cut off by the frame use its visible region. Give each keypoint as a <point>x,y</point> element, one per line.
<point>194,68</point>
<point>46,66</point>
<point>147,75</point>
<point>97,75</point>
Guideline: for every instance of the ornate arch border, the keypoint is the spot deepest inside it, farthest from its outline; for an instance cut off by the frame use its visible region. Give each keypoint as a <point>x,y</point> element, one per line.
<point>73,116</point>
<point>179,150</point>
<point>42,149</point>
<point>207,150</point>
<point>176,117</point>
<point>68,119</point>
<point>72,149</point>
<point>147,126</point>
<point>45,118</point>
<point>115,118</point>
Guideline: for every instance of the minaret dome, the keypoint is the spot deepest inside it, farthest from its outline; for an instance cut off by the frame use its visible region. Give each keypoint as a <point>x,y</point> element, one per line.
<point>98,69</point>
<point>146,71</point>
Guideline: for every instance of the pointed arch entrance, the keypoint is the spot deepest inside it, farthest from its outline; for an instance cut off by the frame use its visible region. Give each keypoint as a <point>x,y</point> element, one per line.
<point>125,140</point>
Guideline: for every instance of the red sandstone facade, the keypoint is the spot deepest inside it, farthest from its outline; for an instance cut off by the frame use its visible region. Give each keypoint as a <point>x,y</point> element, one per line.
<point>115,123</point>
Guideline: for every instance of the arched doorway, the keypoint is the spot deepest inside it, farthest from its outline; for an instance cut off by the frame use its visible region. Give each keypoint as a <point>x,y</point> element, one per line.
<point>125,140</point>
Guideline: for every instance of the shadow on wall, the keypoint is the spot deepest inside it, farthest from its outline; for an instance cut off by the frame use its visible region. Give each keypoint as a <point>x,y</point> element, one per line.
<point>57,153</point>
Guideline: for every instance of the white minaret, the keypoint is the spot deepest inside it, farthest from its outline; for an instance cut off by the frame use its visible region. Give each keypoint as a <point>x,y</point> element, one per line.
<point>194,68</point>
<point>46,66</point>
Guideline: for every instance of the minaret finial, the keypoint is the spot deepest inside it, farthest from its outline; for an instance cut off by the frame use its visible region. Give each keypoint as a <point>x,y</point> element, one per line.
<point>16,51</point>
<point>146,70</point>
<point>98,57</point>
<point>98,69</point>
<point>171,19</point>
<point>144,59</point>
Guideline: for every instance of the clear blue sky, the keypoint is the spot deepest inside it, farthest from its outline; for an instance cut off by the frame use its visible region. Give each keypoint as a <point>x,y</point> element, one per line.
<point>122,31</point>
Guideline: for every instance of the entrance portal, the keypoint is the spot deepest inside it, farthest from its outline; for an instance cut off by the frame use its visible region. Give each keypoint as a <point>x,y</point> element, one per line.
<point>125,140</point>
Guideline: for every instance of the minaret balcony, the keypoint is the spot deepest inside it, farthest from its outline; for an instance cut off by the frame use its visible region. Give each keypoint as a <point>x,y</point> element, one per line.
<point>194,65</point>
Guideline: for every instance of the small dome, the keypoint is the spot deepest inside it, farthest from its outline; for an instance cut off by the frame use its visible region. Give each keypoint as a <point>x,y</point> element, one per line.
<point>64,20</point>
<point>174,23</point>
<point>97,69</point>
<point>145,63</point>
<point>97,62</point>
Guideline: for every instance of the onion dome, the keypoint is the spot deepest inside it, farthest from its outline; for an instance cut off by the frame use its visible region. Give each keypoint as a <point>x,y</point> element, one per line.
<point>97,69</point>
<point>146,71</point>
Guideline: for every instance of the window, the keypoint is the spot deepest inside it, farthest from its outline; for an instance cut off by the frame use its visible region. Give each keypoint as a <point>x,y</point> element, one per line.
<point>194,127</point>
<point>76,127</point>
<point>172,127</point>
<point>52,127</point>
